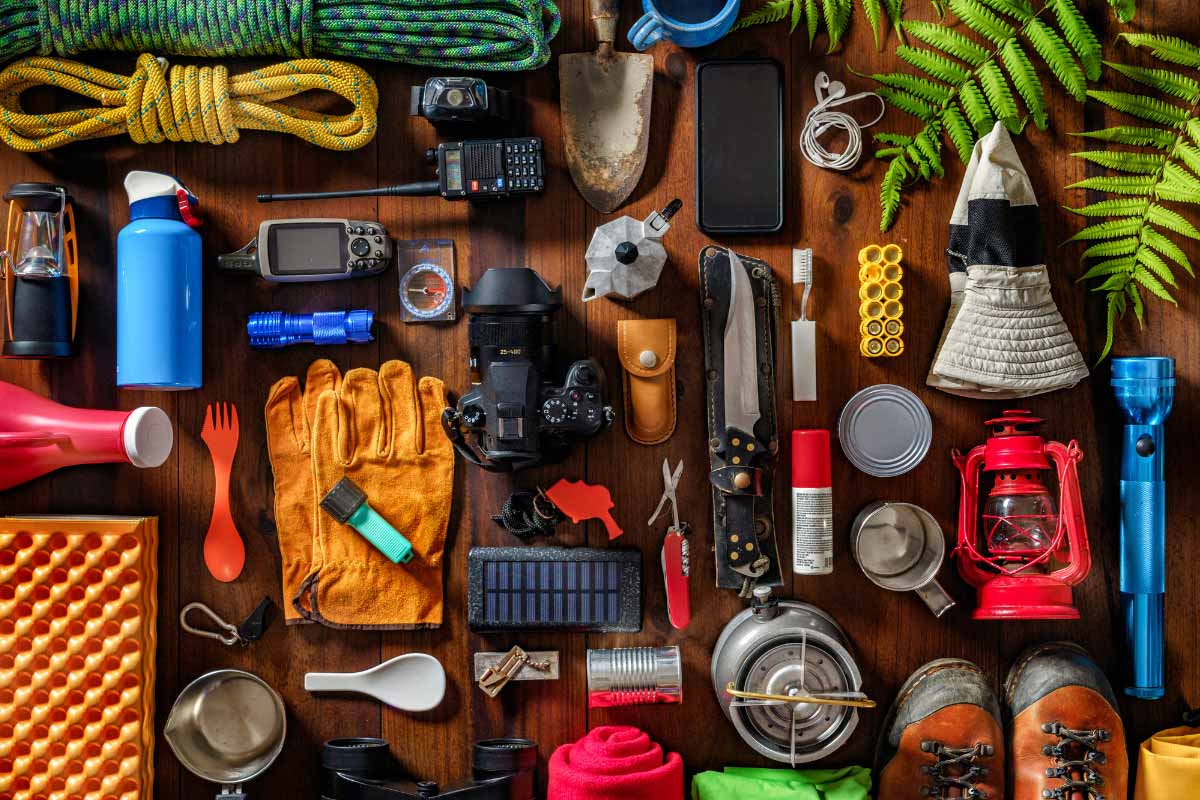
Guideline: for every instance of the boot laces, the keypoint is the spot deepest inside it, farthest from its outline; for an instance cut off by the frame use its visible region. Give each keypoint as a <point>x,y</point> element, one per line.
<point>963,762</point>
<point>1076,757</point>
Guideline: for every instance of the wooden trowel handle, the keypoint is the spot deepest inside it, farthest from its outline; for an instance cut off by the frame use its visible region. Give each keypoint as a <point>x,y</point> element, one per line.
<point>605,14</point>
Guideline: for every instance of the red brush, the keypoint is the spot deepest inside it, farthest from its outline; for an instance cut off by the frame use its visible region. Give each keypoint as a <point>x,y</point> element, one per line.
<point>581,501</point>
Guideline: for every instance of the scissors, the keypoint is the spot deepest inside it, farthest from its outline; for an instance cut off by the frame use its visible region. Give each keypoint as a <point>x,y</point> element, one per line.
<point>671,482</point>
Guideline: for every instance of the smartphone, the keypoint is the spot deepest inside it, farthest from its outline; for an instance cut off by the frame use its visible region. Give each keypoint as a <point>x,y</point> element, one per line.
<point>739,146</point>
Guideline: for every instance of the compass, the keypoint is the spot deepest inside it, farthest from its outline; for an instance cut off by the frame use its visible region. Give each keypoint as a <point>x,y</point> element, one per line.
<point>427,293</point>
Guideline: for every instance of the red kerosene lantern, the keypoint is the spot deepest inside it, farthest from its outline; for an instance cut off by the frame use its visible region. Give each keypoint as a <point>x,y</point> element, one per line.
<point>1023,551</point>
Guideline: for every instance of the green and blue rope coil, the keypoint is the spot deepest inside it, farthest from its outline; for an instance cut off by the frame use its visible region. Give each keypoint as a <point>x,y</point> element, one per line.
<point>498,35</point>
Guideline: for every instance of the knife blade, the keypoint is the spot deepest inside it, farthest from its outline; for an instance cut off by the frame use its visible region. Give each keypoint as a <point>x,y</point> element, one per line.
<point>741,361</point>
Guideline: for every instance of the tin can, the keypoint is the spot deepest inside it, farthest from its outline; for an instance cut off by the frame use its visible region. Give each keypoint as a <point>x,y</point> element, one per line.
<point>633,676</point>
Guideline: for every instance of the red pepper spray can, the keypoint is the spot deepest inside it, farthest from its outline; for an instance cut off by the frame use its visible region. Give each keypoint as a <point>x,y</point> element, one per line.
<point>812,503</point>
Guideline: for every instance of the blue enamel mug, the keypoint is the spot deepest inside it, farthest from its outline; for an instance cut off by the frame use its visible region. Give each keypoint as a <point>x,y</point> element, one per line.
<point>687,23</point>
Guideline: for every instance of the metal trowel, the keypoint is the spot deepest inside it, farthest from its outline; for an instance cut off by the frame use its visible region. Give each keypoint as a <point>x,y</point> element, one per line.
<point>605,103</point>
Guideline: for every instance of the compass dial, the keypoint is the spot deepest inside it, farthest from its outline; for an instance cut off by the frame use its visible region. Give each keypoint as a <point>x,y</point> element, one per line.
<point>427,292</point>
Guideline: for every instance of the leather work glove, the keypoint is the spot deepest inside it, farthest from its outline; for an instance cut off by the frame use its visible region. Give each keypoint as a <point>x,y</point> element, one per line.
<point>289,413</point>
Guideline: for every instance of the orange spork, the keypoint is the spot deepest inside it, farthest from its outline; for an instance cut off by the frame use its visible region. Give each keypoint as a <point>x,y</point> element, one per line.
<point>224,552</point>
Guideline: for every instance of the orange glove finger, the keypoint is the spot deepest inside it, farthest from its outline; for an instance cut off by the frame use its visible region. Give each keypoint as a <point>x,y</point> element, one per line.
<point>365,425</point>
<point>398,387</point>
<point>432,393</point>
<point>323,376</point>
<point>287,429</point>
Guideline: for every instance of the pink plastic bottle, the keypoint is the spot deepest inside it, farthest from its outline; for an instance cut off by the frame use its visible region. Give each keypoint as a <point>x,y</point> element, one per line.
<point>39,436</point>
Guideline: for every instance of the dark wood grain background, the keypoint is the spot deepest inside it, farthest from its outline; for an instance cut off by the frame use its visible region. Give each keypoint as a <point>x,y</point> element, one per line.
<point>834,214</point>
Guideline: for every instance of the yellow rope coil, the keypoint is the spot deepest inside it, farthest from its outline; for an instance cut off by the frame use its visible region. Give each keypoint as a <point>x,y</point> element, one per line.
<point>187,104</point>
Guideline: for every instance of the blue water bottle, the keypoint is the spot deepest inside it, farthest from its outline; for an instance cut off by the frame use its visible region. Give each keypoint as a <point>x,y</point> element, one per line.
<point>159,286</point>
<point>1145,391</point>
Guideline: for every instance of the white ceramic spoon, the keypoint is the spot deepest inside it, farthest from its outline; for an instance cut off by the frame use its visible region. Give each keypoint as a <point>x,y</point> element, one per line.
<point>411,682</point>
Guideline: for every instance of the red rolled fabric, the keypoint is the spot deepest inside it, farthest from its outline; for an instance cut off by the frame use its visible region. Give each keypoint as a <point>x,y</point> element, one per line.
<point>615,762</point>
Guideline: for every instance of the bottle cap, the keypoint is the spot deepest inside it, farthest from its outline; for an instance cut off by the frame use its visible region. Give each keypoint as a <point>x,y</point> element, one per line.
<point>148,437</point>
<point>810,459</point>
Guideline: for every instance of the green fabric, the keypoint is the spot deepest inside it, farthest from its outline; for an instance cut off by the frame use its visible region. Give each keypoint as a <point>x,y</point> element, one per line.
<point>451,34</point>
<point>742,783</point>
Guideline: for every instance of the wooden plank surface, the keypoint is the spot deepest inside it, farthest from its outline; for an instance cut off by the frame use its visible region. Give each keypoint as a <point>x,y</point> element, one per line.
<point>835,214</point>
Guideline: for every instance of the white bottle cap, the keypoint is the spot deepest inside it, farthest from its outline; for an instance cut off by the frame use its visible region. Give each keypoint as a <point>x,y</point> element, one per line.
<point>142,184</point>
<point>148,437</point>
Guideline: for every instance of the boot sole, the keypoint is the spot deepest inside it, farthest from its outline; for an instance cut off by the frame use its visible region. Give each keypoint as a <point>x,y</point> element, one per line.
<point>919,675</point>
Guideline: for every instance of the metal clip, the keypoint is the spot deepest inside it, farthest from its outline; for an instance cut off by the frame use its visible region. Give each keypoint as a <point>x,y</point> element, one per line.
<point>510,665</point>
<point>229,638</point>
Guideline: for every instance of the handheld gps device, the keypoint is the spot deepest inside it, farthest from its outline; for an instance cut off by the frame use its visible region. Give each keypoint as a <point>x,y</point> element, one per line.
<point>302,250</point>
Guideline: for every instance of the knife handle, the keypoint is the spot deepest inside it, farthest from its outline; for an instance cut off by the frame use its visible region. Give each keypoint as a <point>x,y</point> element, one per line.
<point>605,14</point>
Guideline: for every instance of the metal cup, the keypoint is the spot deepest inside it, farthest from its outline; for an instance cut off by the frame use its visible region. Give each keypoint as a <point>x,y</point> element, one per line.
<point>227,727</point>
<point>900,547</point>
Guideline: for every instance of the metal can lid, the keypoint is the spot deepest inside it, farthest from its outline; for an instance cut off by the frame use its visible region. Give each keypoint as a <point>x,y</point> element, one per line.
<point>885,430</point>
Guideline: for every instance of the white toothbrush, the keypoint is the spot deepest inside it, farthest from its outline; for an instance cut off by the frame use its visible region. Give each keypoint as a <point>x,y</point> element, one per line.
<point>804,333</point>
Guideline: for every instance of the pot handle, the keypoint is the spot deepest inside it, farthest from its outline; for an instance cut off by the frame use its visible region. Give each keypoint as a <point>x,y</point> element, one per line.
<point>646,31</point>
<point>936,598</point>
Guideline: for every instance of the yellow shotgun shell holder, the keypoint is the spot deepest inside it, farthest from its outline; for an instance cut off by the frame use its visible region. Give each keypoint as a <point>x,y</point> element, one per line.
<point>880,292</point>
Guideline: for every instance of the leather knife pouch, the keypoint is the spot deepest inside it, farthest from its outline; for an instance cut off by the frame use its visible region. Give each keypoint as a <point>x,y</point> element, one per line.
<point>647,351</point>
<point>740,511</point>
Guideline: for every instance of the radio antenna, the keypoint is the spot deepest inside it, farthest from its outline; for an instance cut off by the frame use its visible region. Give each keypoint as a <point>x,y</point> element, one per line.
<point>419,189</point>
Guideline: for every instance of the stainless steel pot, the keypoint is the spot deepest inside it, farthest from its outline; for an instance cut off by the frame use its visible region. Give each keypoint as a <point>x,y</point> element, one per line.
<point>786,648</point>
<point>901,547</point>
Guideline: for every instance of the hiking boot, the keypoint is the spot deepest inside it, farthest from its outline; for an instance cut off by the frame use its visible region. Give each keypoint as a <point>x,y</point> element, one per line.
<point>942,737</point>
<point>1067,739</point>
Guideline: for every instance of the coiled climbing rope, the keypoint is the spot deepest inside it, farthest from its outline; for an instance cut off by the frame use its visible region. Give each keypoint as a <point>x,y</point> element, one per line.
<point>187,104</point>
<point>459,34</point>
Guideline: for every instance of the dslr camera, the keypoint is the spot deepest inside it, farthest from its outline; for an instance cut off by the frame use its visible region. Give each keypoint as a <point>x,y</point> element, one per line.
<point>364,769</point>
<point>515,416</point>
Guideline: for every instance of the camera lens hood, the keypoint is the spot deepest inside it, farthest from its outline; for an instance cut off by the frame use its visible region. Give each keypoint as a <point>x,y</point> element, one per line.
<point>514,290</point>
<point>504,755</point>
<point>362,756</point>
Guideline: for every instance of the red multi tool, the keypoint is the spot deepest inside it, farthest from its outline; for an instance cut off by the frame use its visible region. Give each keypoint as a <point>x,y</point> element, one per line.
<point>675,552</point>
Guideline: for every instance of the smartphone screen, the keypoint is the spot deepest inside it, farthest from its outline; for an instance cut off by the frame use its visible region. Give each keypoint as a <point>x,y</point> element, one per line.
<point>739,147</point>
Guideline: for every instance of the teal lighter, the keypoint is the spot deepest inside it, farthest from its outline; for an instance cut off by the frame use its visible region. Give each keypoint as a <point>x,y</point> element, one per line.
<point>347,503</point>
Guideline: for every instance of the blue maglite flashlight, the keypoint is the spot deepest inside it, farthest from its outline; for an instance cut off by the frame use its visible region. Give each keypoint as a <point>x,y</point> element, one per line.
<point>1145,390</point>
<point>272,329</point>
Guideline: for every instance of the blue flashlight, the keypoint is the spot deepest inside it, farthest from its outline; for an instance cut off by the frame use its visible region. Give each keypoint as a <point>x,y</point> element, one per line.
<point>273,329</point>
<point>1145,391</point>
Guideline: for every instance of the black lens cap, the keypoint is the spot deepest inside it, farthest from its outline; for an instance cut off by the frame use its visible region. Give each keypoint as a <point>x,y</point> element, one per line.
<point>504,755</point>
<point>361,756</point>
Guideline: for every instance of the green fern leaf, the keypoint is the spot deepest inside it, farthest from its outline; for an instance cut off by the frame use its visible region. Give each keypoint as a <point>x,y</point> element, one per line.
<point>1163,80</point>
<point>1117,184</point>
<point>889,192</point>
<point>1112,266</point>
<point>1153,262</point>
<point>908,103</point>
<point>1172,221</point>
<point>995,88</point>
<point>1189,155</point>
<point>1117,247</point>
<point>1020,10</point>
<point>921,87</point>
<point>895,13</point>
<point>1115,283</point>
<point>1126,10</point>
<point>897,139</point>
<point>1137,137</point>
<point>1167,48</point>
<point>1054,51</point>
<point>976,107</point>
<point>1142,106</point>
<point>1135,295</point>
<point>1147,278</point>
<point>1026,80</point>
<point>1115,207</point>
<point>933,64</point>
<point>931,148</point>
<point>1110,315</point>
<point>1161,244</point>
<point>948,41</point>
<point>771,11</point>
<point>888,152</point>
<point>812,20</point>
<point>1178,180</point>
<point>1109,229</point>
<point>980,19</point>
<point>959,131</point>
<point>939,6</point>
<point>1079,35</point>
<point>837,20</point>
<point>873,10</point>
<point>1125,161</point>
<point>798,14</point>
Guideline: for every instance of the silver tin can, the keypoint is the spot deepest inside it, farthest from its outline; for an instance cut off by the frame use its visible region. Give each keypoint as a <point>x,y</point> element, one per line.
<point>632,676</point>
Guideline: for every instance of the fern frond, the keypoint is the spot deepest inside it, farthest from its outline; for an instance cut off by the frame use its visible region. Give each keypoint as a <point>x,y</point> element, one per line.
<point>1167,48</point>
<point>923,88</point>
<point>1135,295</point>
<point>873,10</point>
<point>1163,80</point>
<point>933,64</point>
<point>771,11</point>
<point>949,41</point>
<point>1117,184</point>
<point>1171,220</point>
<point>1109,229</point>
<point>908,103</point>
<point>982,20</point>
<point>976,107</point>
<point>1177,179</point>
<point>889,191</point>
<point>1125,10</point>
<point>930,146</point>
<point>1114,207</point>
<point>1112,312</point>
<point>812,20</point>
<point>1020,10</point>
<point>1151,260</point>
<point>1057,55</point>
<point>1025,79</point>
<point>960,133</point>
<point>1189,155</point>
<point>1141,106</point>
<point>1125,161</point>
<point>995,88</point>
<point>1148,279</point>
<point>1131,135</point>
<point>1079,36</point>
<point>897,139</point>
<point>1117,247</point>
<point>1161,244</point>
<point>895,13</point>
<point>1113,266</point>
<point>837,20</point>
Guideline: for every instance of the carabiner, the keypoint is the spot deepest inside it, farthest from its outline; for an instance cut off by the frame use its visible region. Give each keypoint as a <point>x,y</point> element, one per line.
<point>229,638</point>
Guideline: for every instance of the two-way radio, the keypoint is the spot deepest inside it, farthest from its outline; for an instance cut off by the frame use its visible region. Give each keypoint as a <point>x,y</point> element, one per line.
<point>475,170</point>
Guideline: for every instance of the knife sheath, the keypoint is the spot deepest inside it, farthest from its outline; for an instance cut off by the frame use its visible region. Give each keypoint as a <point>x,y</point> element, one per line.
<point>741,463</point>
